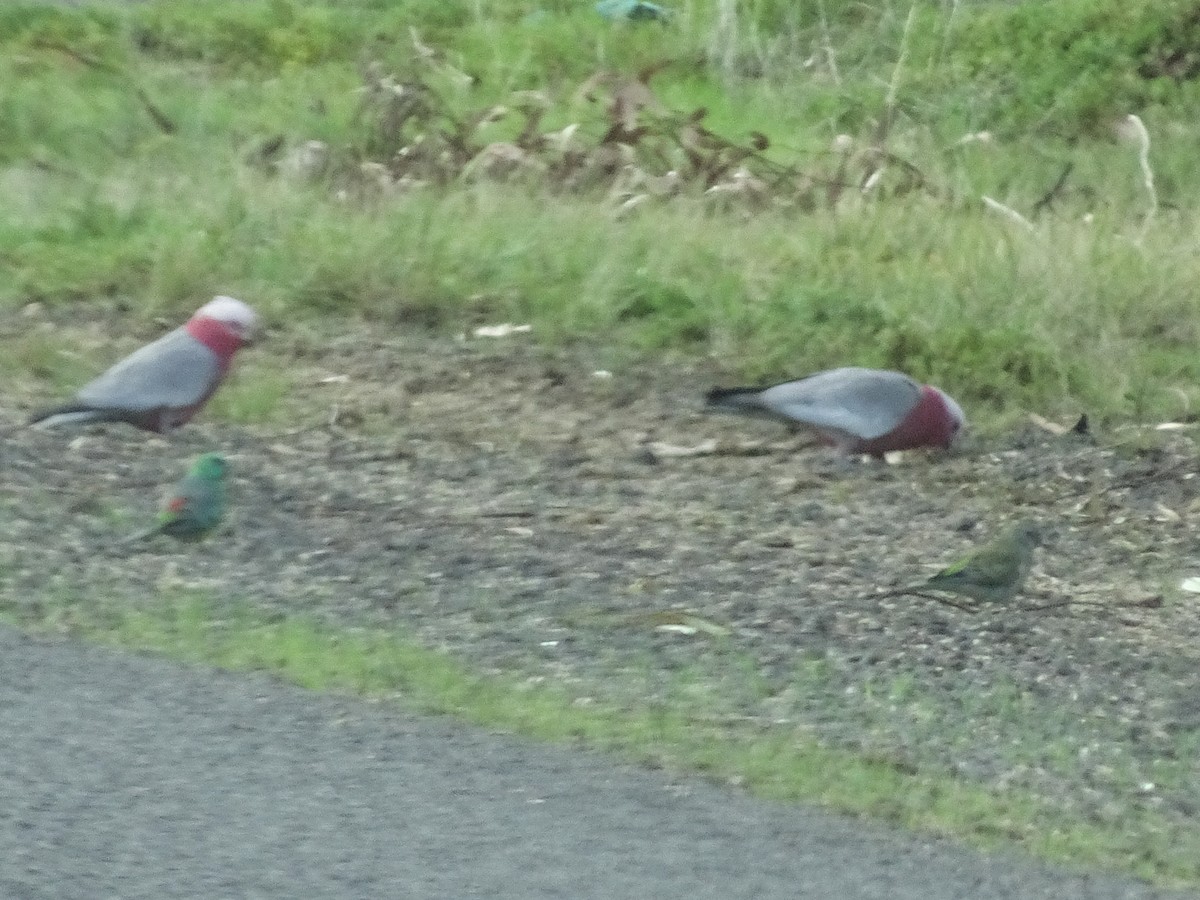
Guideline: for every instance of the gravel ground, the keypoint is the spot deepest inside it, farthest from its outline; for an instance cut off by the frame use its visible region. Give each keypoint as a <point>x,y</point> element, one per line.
<point>131,777</point>
<point>505,502</point>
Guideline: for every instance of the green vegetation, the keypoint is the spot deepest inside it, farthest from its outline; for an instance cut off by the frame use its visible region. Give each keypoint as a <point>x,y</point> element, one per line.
<point>681,733</point>
<point>799,185</point>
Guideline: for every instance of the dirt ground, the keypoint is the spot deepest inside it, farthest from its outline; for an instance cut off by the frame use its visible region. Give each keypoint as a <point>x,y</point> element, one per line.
<point>507,503</point>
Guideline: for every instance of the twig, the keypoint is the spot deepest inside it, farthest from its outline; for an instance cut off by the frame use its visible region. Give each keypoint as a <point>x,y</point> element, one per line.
<point>165,125</point>
<point>1008,212</point>
<point>1059,604</point>
<point>1055,189</point>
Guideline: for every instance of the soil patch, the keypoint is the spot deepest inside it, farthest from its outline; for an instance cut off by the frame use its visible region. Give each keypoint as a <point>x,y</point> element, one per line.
<point>503,501</point>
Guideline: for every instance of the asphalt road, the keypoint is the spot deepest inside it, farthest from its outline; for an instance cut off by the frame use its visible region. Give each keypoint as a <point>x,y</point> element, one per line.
<point>124,776</point>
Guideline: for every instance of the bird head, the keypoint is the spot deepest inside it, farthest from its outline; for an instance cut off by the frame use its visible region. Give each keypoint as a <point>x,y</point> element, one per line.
<point>958,421</point>
<point>210,466</point>
<point>235,314</point>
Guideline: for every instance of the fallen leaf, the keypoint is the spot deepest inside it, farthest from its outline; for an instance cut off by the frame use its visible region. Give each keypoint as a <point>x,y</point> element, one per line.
<point>663,450</point>
<point>503,330</point>
<point>680,621</point>
<point>677,629</point>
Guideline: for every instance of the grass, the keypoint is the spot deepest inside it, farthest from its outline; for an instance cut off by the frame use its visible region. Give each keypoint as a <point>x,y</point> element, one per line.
<point>132,184</point>
<point>1092,309</point>
<point>680,734</point>
<point>256,396</point>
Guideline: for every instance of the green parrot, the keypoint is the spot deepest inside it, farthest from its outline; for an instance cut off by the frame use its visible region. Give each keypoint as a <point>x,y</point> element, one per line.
<point>195,505</point>
<point>993,573</point>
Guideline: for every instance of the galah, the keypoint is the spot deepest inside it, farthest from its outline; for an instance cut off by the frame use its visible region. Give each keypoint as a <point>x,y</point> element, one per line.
<point>196,504</point>
<point>993,573</point>
<point>163,384</point>
<point>857,410</point>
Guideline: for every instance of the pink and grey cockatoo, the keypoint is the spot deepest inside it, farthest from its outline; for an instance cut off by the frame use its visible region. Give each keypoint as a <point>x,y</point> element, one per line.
<point>857,410</point>
<point>163,384</point>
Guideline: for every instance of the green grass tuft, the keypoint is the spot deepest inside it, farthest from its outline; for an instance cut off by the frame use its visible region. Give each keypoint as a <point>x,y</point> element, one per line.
<point>255,395</point>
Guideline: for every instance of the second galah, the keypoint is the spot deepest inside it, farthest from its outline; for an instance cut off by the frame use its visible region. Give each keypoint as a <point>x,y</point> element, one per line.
<point>163,384</point>
<point>870,411</point>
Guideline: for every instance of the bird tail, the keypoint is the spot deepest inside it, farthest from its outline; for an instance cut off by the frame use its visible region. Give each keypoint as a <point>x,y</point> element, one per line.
<point>743,399</point>
<point>72,414</point>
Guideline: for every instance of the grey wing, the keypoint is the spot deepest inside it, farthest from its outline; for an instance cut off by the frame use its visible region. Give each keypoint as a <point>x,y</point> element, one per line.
<point>176,371</point>
<point>867,403</point>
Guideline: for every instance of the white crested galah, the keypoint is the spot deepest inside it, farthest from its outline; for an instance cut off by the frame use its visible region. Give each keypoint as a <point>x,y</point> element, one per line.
<point>870,411</point>
<point>163,384</point>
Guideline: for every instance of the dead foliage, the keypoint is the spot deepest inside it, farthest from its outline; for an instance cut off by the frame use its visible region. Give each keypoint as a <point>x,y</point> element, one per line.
<point>613,133</point>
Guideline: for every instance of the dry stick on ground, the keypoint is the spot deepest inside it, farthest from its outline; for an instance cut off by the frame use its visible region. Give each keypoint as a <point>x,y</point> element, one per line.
<point>946,601</point>
<point>1060,604</point>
